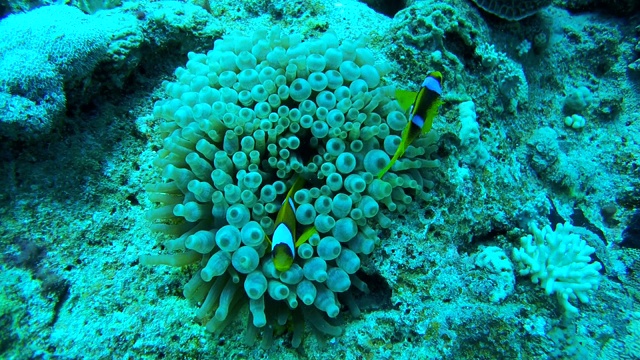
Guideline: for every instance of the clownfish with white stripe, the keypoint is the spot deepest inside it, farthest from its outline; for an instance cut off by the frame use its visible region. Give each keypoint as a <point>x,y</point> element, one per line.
<point>423,107</point>
<point>283,243</point>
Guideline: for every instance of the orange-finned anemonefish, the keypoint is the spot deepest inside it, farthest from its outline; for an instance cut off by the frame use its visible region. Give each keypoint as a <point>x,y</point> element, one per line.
<point>283,244</point>
<point>423,108</point>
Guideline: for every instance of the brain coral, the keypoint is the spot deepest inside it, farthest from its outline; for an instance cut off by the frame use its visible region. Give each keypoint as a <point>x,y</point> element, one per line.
<point>512,9</point>
<point>242,123</point>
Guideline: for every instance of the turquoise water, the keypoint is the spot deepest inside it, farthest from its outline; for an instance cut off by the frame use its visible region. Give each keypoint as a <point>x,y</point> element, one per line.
<point>208,180</point>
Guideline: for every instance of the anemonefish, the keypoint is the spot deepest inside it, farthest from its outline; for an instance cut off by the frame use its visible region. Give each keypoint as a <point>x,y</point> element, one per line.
<point>283,243</point>
<point>423,108</point>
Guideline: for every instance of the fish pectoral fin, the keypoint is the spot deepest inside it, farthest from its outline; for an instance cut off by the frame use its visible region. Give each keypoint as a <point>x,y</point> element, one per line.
<point>305,236</point>
<point>405,98</point>
<point>431,115</point>
<point>428,124</point>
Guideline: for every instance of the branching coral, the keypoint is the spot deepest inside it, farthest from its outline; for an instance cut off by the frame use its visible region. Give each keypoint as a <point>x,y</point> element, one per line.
<point>561,262</point>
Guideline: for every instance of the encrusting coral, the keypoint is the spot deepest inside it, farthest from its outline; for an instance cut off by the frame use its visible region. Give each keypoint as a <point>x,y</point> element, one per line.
<point>242,123</point>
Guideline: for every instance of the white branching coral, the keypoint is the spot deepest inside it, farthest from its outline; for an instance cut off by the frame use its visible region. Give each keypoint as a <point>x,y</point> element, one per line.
<point>561,262</point>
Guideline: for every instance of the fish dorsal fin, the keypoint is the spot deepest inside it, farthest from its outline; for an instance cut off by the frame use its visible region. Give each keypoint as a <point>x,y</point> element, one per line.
<point>405,98</point>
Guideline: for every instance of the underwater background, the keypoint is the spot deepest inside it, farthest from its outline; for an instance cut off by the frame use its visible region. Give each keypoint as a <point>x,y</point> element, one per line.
<point>130,143</point>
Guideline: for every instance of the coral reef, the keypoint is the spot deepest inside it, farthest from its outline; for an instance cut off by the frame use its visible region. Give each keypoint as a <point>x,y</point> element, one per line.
<point>500,269</point>
<point>36,68</point>
<point>539,126</point>
<point>513,9</point>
